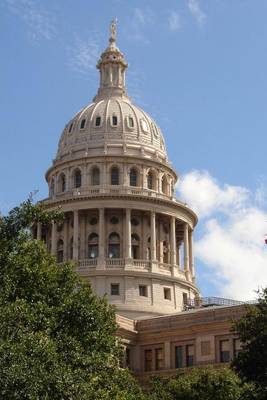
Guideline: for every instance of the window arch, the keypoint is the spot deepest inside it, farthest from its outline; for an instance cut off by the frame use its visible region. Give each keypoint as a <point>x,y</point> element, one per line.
<point>164,185</point>
<point>133,177</point>
<point>95,176</point>
<point>52,187</point>
<point>77,178</point>
<point>114,245</point>
<point>135,246</point>
<point>60,251</point>
<point>62,183</point>
<point>114,176</point>
<point>93,245</point>
<point>150,180</point>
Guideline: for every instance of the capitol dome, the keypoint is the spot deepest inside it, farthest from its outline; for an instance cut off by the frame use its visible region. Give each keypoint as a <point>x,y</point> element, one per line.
<point>112,124</point>
<point>123,227</point>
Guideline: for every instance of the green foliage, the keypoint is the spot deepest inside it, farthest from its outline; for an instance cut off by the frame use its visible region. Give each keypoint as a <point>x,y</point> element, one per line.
<point>251,363</point>
<point>202,384</point>
<point>57,339</point>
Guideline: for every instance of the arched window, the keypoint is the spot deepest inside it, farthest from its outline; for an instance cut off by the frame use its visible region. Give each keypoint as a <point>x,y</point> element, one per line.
<point>60,251</point>
<point>114,176</point>
<point>95,176</point>
<point>148,249</point>
<point>62,183</point>
<point>82,126</point>
<point>133,177</point>
<point>52,187</point>
<point>114,245</point>
<point>150,180</point>
<point>93,245</point>
<point>77,178</point>
<point>164,185</point>
<point>135,246</point>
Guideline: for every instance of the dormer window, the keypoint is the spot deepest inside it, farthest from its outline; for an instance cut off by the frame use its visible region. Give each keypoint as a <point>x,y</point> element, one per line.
<point>98,121</point>
<point>144,126</point>
<point>114,120</point>
<point>70,127</point>
<point>130,122</point>
<point>82,126</point>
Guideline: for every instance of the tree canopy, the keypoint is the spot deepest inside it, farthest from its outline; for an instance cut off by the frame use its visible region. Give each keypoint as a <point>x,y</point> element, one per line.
<point>57,339</point>
<point>251,363</point>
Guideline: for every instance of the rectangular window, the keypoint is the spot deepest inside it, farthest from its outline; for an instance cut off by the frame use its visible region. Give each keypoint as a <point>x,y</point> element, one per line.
<point>178,357</point>
<point>148,360</point>
<point>115,289</point>
<point>131,122</point>
<point>167,293</point>
<point>224,351</point>
<point>237,347</point>
<point>98,121</point>
<point>143,290</point>
<point>189,355</point>
<point>114,120</point>
<point>185,299</point>
<point>83,124</point>
<point>159,358</point>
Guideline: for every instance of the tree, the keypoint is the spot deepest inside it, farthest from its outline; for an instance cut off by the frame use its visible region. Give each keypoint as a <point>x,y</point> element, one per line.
<point>251,362</point>
<point>202,384</point>
<point>57,339</point>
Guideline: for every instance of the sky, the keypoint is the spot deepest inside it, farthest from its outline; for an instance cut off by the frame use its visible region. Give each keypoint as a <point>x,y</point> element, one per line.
<point>197,66</point>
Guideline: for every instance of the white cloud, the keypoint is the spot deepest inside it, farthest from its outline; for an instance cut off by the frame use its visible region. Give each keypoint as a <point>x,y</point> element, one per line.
<point>84,55</point>
<point>174,21</point>
<point>197,13</point>
<point>141,20</point>
<point>232,243</point>
<point>39,22</point>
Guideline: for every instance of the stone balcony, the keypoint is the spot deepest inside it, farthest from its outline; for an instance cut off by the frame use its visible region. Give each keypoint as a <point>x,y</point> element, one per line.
<point>112,190</point>
<point>92,264</point>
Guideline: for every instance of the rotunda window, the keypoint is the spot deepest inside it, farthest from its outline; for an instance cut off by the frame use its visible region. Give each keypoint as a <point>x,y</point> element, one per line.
<point>114,120</point>
<point>93,221</point>
<point>82,126</point>
<point>114,220</point>
<point>133,177</point>
<point>144,126</point>
<point>134,221</point>
<point>60,251</point>
<point>77,179</point>
<point>95,176</point>
<point>135,246</point>
<point>114,176</point>
<point>98,121</point>
<point>114,245</point>
<point>62,183</point>
<point>130,121</point>
<point>93,245</point>
<point>150,181</point>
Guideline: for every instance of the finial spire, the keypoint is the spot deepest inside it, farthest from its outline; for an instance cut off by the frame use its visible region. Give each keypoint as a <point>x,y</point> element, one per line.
<point>113,31</point>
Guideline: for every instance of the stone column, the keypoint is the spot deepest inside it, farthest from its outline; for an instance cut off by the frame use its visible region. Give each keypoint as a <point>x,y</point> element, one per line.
<point>173,242</point>
<point>186,251</point>
<point>101,239</point>
<point>127,235</point>
<point>39,231</point>
<point>75,234</point>
<point>153,240</point>
<point>66,238</point>
<point>191,255</point>
<point>54,238</point>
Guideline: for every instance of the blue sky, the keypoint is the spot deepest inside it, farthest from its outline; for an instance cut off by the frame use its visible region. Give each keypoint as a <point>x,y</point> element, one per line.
<point>197,66</point>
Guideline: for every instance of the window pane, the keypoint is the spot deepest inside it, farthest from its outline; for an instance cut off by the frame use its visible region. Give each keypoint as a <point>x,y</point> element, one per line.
<point>78,179</point>
<point>159,358</point>
<point>224,351</point>
<point>95,177</point>
<point>115,289</point>
<point>114,176</point>
<point>114,120</point>
<point>150,181</point>
<point>83,124</point>
<point>97,121</point>
<point>114,251</point>
<point>133,177</point>
<point>189,355</point>
<point>148,360</point>
<point>143,290</point>
<point>178,357</point>
<point>131,122</point>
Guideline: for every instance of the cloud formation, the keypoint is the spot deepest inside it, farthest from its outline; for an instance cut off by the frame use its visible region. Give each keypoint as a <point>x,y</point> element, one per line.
<point>84,55</point>
<point>174,21</point>
<point>232,226</point>
<point>39,22</point>
<point>196,12</point>
<point>141,20</point>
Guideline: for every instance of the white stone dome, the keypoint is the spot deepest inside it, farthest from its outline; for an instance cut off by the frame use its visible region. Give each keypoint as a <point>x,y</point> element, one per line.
<point>112,120</point>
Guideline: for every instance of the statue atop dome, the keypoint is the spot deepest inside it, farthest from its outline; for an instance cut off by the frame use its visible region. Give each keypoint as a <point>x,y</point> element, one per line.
<point>113,31</point>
